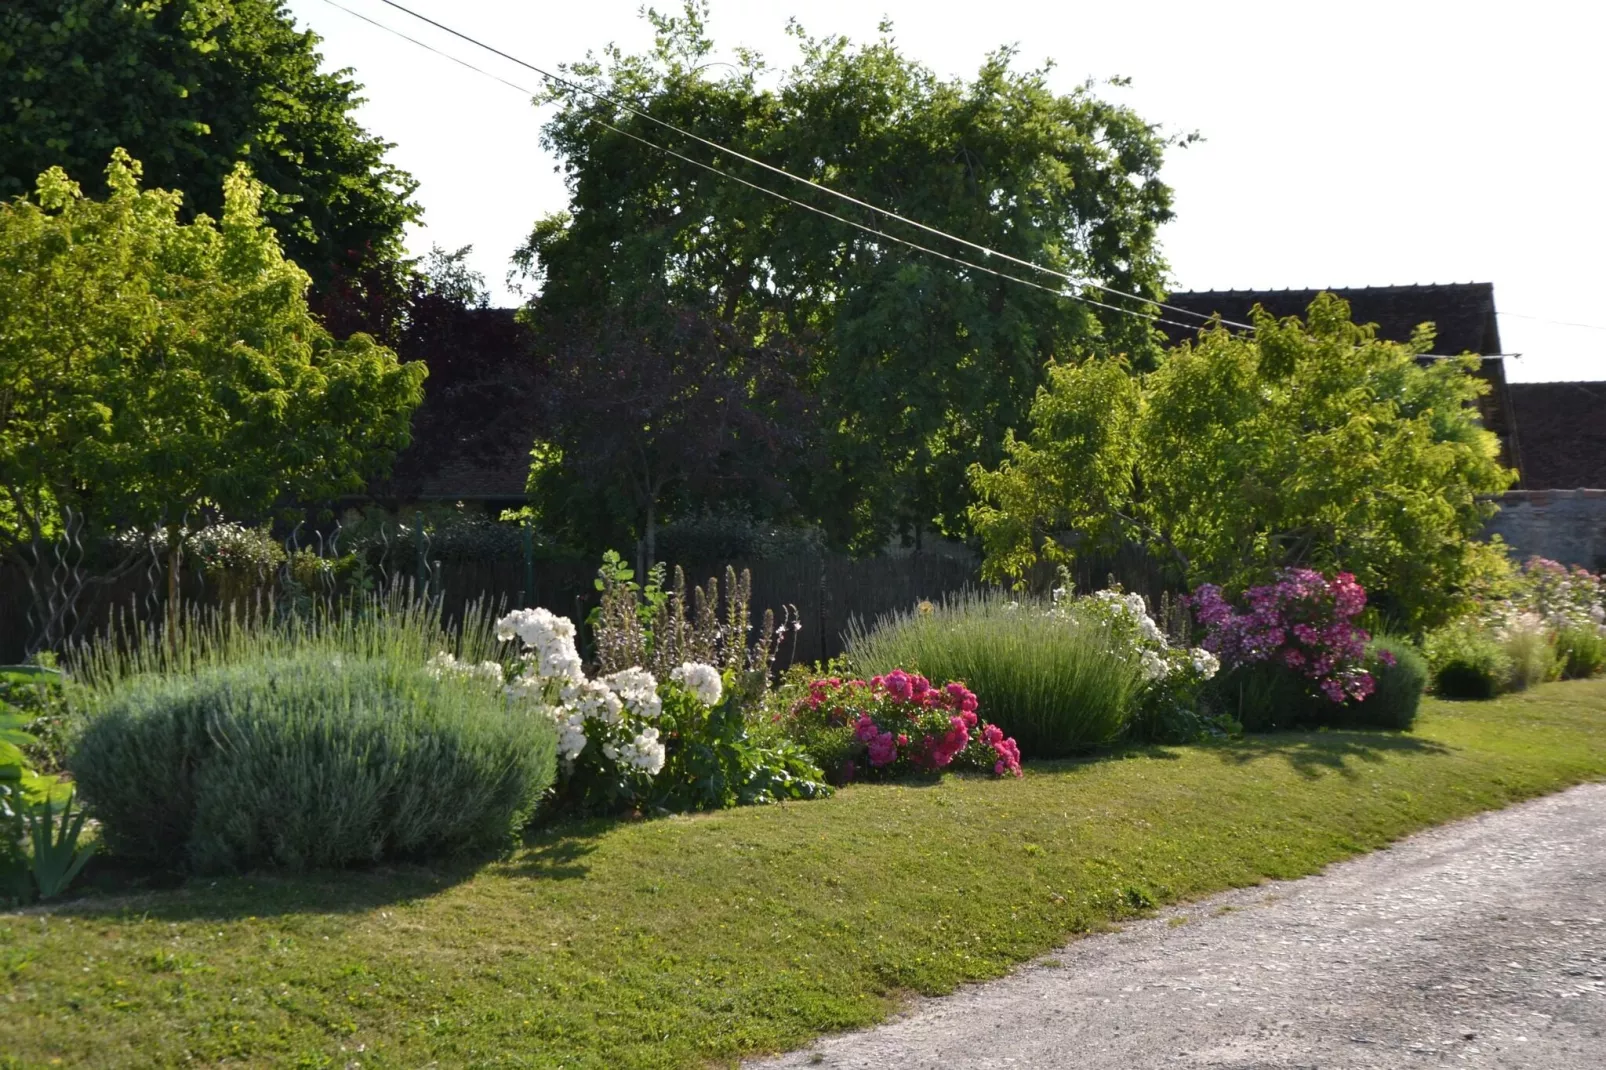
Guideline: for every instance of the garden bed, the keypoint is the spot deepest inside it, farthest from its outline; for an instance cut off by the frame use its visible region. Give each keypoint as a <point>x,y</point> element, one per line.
<point>677,941</point>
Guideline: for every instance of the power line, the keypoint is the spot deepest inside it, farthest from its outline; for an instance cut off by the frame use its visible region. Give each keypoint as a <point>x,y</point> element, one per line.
<point>1057,291</point>
<point>886,212</point>
<point>1558,323</point>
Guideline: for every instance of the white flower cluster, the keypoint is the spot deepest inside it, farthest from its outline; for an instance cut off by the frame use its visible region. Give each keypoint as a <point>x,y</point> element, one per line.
<point>445,664</point>
<point>1134,609</point>
<point>550,639</point>
<point>1204,663</point>
<point>701,680</point>
<point>644,752</point>
<point>616,710</point>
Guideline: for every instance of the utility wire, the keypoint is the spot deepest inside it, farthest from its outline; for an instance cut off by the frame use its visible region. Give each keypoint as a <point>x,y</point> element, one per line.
<point>888,213</point>
<point>1558,323</point>
<point>1055,290</point>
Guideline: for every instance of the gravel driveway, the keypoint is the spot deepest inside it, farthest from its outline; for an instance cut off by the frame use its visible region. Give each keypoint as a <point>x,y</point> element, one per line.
<point>1478,944</point>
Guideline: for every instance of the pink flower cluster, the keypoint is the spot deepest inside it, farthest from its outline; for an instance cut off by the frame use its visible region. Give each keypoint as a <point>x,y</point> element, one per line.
<point>902,716</point>
<point>1304,621</point>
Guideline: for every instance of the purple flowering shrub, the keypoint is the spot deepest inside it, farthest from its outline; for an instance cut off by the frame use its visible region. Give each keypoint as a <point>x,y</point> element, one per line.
<point>1304,623</point>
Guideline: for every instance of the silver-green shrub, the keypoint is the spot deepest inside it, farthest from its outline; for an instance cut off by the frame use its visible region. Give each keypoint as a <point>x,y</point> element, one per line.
<point>307,759</point>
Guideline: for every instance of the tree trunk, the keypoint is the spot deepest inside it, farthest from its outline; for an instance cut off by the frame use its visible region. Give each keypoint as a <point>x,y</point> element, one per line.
<point>652,532</point>
<point>175,553</point>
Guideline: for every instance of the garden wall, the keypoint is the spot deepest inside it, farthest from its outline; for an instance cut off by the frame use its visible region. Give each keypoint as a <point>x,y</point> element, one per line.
<point>1564,525</point>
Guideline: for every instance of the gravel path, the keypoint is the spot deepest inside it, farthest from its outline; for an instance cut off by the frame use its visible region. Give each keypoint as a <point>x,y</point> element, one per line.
<point>1478,944</point>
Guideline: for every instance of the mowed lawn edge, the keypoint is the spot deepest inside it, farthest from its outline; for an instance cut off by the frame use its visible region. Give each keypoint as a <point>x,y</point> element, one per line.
<point>690,941</point>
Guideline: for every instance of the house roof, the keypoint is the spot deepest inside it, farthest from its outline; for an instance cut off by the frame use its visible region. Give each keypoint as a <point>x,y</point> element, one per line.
<point>1462,312</point>
<point>1563,431</point>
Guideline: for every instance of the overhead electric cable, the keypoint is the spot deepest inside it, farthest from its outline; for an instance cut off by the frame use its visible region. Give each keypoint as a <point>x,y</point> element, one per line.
<point>802,180</point>
<point>1057,291</point>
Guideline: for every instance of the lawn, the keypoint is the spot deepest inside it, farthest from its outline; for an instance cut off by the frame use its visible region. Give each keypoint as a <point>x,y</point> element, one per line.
<point>686,940</point>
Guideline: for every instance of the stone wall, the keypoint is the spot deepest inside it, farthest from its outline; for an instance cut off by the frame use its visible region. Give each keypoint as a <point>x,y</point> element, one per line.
<point>1564,525</point>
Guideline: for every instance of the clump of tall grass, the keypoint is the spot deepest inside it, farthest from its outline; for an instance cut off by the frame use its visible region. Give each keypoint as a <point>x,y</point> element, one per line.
<point>235,741</point>
<point>1058,683</point>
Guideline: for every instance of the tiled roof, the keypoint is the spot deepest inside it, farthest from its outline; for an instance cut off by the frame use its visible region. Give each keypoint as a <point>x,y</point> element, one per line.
<point>1562,428</point>
<point>1462,312</point>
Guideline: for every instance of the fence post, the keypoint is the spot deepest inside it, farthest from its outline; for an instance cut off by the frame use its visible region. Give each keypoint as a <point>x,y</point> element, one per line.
<point>527,598</point>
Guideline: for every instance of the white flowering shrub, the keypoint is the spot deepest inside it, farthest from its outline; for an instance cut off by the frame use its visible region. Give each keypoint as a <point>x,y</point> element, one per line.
<point>627,740</point>
<point>1168,706</point>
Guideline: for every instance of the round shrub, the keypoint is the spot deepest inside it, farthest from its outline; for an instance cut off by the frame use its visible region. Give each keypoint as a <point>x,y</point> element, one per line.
<point>1581,651</point>
<point>1467,662</point>
<point>1401,675</point>
<point>308,761</point>
<point>1264,696</point>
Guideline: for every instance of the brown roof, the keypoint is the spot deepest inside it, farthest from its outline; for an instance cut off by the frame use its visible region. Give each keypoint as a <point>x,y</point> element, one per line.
<point>1462,312</point>
<point>1562,427</point>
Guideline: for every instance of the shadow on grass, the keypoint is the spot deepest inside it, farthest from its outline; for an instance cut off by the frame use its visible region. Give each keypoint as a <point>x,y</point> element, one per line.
<point>1314,754</point>
<point>110,890</point>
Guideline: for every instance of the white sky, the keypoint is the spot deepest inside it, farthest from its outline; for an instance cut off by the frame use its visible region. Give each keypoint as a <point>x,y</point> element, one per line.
<point>1347,144</point>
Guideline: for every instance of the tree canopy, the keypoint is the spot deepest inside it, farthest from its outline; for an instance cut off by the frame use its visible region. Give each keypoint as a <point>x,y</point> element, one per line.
<point>918,364</point>
<point>192,88</point>
<point>151,369</point>
<point>1308,444</point>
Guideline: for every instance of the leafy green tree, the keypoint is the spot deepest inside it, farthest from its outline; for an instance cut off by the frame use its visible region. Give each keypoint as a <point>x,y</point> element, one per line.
<point>192,88</point>
<point>150,370</point>
<point>1304,444</point>
<point>919,364</point>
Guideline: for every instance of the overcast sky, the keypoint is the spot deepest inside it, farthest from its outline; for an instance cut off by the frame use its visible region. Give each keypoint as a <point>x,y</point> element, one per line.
<point>1346,144</point>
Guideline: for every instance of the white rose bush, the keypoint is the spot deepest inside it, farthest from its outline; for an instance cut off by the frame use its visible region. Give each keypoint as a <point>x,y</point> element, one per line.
<point>629,741</point>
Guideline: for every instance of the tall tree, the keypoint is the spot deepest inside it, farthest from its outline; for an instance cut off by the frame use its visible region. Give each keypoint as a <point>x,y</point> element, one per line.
<point>151,370</point>
<point>648,410</point>
<point>1309,444</point>
<point>192,88</point>
<point>919,364</point>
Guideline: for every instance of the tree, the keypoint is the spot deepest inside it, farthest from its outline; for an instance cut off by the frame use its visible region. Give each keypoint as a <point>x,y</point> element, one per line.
<point>193,88</point>
<point>919,365</point>
<point>1303,444</point>
<point>151,370</point>
<point>650,410</point>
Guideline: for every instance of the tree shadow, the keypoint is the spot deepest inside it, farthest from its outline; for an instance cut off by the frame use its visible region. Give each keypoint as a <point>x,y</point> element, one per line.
<point>557,851</point>
<point>1315,754</point>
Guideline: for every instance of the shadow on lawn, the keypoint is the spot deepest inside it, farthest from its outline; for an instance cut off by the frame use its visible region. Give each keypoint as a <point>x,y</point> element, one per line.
<point>108,890</point>
<point>1313,754</point>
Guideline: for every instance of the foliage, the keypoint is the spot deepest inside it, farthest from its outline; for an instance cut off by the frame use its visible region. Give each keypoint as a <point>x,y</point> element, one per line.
<point>645,410</point>
<point>1401,675</point>
<point>714,762</point>
<point>196,89</point>
<point>661,627</point>
<point>1581,651</point>
<point>154,369</point>
<point>918,365</point>
<point>35,857</point>
<point>1304,445</point>
<point>307,762</point>
<point>1467,662</point>
<point>725,533</point>
<point>628,741</point>
<point>895,725</point>
<point>804,920</point>
<point>1304,622</point>
<point>1529,652</point>
<point>1056,687</point>
<point>57,855</point>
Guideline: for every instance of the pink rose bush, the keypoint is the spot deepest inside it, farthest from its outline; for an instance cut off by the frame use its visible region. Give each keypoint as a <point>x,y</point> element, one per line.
<point>896,724</point>
<point>1304,621</point>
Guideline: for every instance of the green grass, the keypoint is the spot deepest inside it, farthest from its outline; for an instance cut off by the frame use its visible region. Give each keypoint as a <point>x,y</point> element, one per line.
<point>682,941</point>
